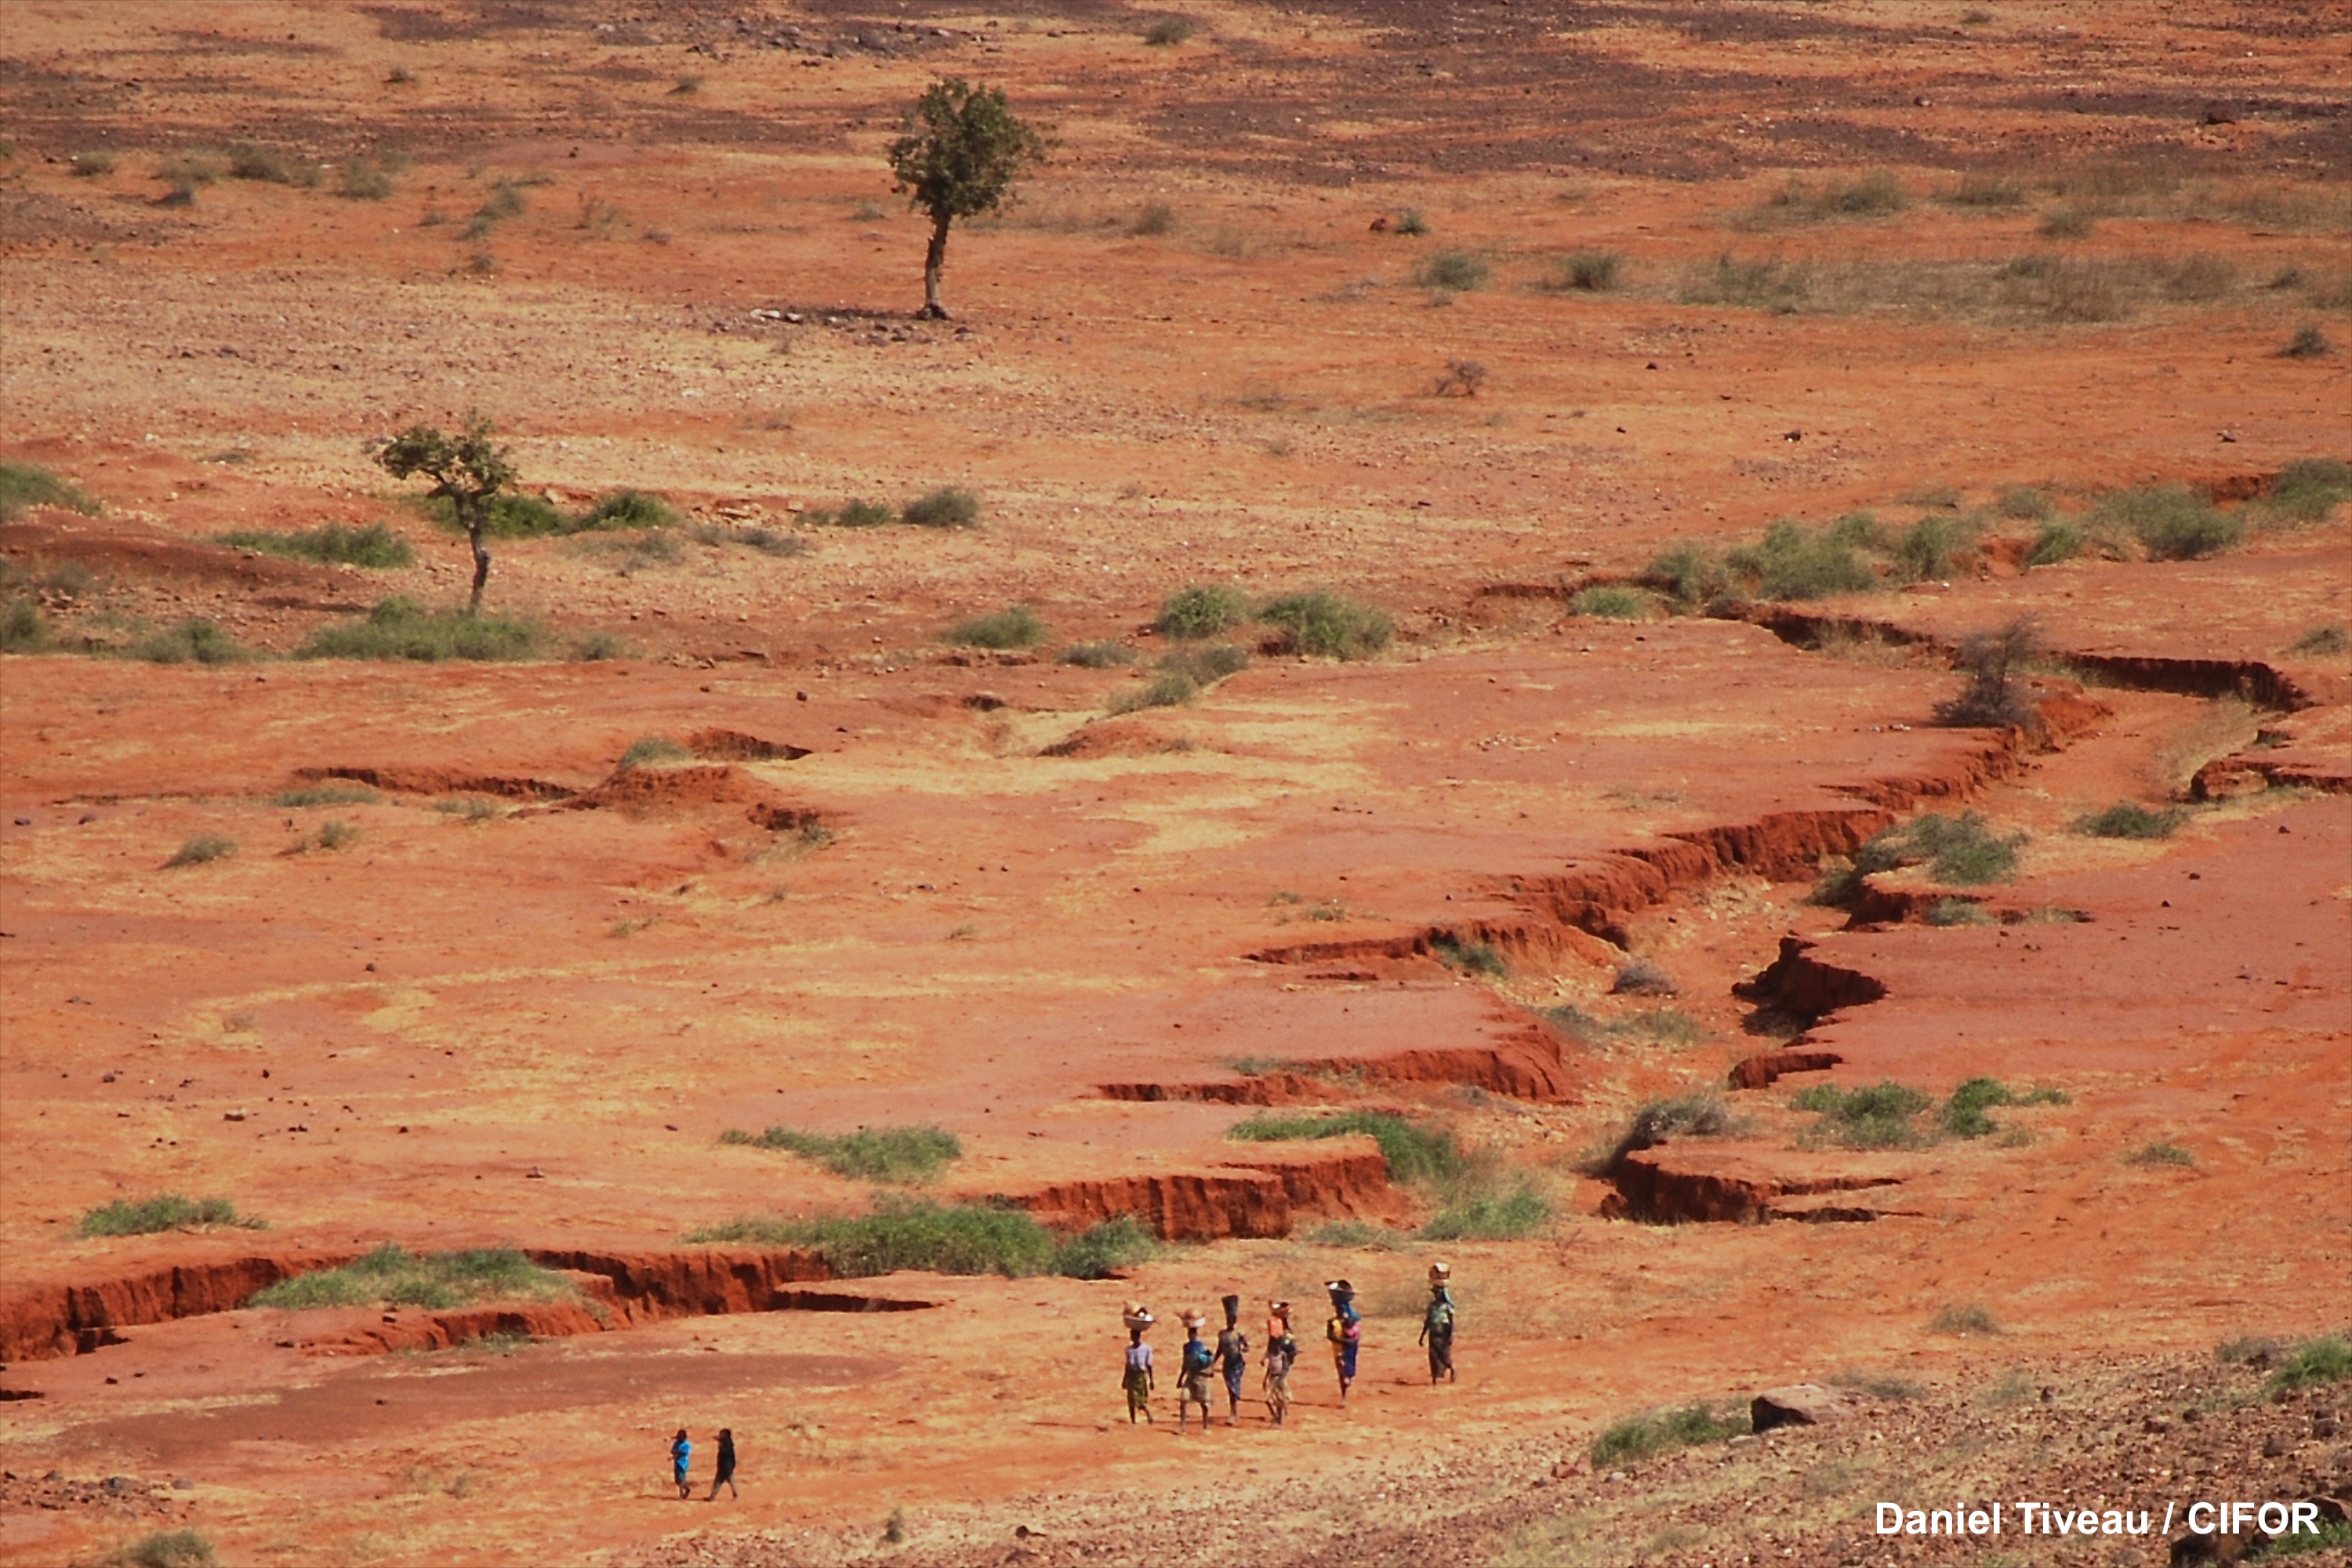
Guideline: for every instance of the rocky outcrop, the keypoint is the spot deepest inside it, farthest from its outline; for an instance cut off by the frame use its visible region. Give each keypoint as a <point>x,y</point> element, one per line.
<point>1259,1198</point>
<point>1797,1405</point>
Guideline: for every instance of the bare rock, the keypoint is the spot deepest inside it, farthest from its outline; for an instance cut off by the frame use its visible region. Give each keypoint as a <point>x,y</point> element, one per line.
<point>1797,1405</point>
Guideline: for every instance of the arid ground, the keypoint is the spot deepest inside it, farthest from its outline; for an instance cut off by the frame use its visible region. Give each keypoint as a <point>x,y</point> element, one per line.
<point>1475,313</point>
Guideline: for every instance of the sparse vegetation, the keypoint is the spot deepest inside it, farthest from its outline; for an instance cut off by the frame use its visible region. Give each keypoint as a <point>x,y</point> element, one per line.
<point>1945,913</point>
<point>1100,655</point>
<point>1963,1320</point>
<point>2172,522</point>
<point>1691,577</point>
<point>1610,603</point>
<point>1931,548</point>
<point>2326,1359</point>
<point>1873,195</point>
<point>1168,32</point>
<point>651,751</point>
<point>375,545</point>
<point>23,627</point>
<point>91,165</point>
<point>854,512</point>
<point>1411,224</point>
<point>962,149</point>
<point>1202,610</point>
<point>2022,503</point>
<point>1015,626</point>
<point>2307,489</point>
<point>1155,218</point>
<point>1964,1114</point>
<point>365,180</point>
<point>1490,1211</point>
<point>1991,660</point>
<point>1455,271</point>
<point>1417,1153</point>
<point>23,485</point>
<point>1325,624</point>
<point>1640,977</point>
<point>2308,342</point>
<point>1793,562</point>
<point>399,628</point>
<point>1698,1114</point>
<point>1588,271</point>
<point>392,1276</point>
<point>1473,957</point>
<point>1638,1437</point>
<point>960,1239</point>
<point>944,508</point>
<point>2057,542</point>
<point>2161,1154</point>
<point>1102,1250</point>
<point>250,161</point>
<point>1881,1115</point>
<point>1205,666</point>
<point>192,641</point>
<point>898,1154</point>
<point>1992,191</point>
<point>200,849</point>
<point>1958,851</point>
<point>625,509</point>
<point>2064,223</point>
<point>164,1211</point>
<point>1656,1025</point>
<point>1462,378</point>
<point>332,794</point>
<point>2322,641</point>
<point>168,1549</point>
<point>2127,819</point>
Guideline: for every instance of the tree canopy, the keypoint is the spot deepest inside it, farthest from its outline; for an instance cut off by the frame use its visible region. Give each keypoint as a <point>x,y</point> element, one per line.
<point>963,150</point>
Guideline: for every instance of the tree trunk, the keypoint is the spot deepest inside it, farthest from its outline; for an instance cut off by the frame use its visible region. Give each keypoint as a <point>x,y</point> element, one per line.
<point>481,556</point>
<point>935,260</point>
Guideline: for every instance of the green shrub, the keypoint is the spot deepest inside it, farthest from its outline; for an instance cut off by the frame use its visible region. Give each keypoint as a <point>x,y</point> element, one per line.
<point>1688,575</point>
<point>192,641</point>
<point>1168,32</point>
<point>393,1276</point>
<point>330,794</point>
<point>1642,977</point>
<point>1202,610</point>
<point>1699,1114</point>
<point>201,849</point>
<point>1477,957</point>
<point>2172,522</point>
<point>249,161</point>
<point>647,749</point>
<point>335,834</point>
<point>168,1549</point>
<point>1638,1437</point>
<point>365,180</point>
<point>1100,655</point>
<point>626,508</point>
<point>2161,1154</point>
<point>1878,1117</point>
<point>1793,563</point>
<point>1930,548</point>
<point>1959,851</point>
<point>1660,1026</point>
<point>2057,542</point>
<point>1015,626</point>
<point>1963,1320</point>
<point>904,1155</point>
<point>906,1234</point>
<point>1509,1213</point>
<point>1417,1153</point>
<point>1947,912</point>
<point>23,627</point>
<point>1168,689</point>
<point>2022,503</point>
<point>1608,603</point>
<point>512,515</point>
<point>401,628</point>
<point>164,1211</point>
<point>1590,271</point>
<point>944,508</point>
<point>2307,489</point>
<point>2127,820</point>
<point>91,165</point>
<point>2327,1359</point>
<point>333,543</point>
<point>23,485</point>
<point>2327,1538</point>
<point>1207,664</point>
<point>1964,1112</point>
<point>1155,218</point>
<point>854,512</point>
<point>1101,1250</point>
<point>1456,271</point>
<point>1328,625</point>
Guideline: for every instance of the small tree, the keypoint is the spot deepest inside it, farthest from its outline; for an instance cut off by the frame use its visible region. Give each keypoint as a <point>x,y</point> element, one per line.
<point>1990,660</point>
<point>467,469</point>
<point>963,150</point>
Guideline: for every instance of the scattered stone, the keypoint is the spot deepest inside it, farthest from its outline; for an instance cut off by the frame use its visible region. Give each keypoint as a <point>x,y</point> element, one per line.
<point>1797,1405</point>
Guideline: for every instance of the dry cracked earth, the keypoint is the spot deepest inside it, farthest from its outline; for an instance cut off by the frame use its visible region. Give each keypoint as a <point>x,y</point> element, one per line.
<point>491,954</point>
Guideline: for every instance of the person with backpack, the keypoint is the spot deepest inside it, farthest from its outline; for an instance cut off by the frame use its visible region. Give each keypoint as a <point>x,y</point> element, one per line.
<point>1437,1324</point>
<point>1192,1385</point>
<point>1281,1355</point>
<point>1232,1359</point>
<point>1138,1379</point>
<point>1345,1329</point>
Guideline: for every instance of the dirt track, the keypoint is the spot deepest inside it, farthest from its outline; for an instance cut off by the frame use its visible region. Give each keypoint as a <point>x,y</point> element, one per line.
<point>898,882</point>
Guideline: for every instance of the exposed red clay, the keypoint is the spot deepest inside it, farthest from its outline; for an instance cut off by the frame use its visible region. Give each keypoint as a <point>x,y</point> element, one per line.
<point>1798,982</point>
<point>1680,1183</point>
<point>429,780</point>
<point>1767,1067</point>
<point>1260,1198</point>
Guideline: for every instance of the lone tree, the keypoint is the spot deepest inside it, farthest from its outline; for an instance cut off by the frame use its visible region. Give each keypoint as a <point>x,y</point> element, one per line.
<point>963,150</point>
<point>467,468</point>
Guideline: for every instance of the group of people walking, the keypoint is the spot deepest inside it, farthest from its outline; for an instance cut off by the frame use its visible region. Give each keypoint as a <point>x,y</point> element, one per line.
<point>1343,1331</point>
